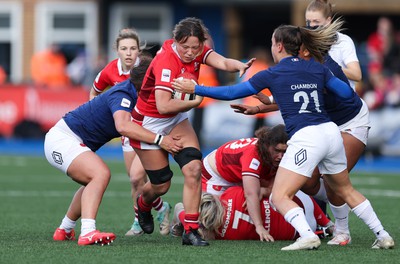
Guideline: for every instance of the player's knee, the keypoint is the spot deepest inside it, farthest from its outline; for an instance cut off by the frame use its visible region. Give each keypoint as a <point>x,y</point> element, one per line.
<point>137,182</point>
<point>187,155</point>
<point>161,189</point>
<point>161,176</point>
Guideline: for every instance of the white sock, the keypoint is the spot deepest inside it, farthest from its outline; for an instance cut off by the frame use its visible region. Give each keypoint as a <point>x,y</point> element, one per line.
<point>341,215</point>
<point>88,225</point>
<point>67,224</point>
<point>365,212</point>
<point>297,219</point>
<point>321,194</point>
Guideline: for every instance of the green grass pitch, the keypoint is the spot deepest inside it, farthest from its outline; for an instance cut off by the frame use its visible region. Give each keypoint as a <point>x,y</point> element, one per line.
<point>34,198</point>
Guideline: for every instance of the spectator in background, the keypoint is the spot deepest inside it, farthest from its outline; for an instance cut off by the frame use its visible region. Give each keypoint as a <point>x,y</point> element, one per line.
<point>49,68</point>
<point>3,75</point>
<point>208,77</point>
<point>383,47</point>
<point>262,62</point>
<point>78,68</point>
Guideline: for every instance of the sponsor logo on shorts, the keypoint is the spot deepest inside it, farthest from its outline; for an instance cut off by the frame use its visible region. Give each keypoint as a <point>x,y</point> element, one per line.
<point>300,157</point>
<point>57,157</point>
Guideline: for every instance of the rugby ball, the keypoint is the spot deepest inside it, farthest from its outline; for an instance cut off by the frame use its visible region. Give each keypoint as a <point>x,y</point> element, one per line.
<point>185,96</point>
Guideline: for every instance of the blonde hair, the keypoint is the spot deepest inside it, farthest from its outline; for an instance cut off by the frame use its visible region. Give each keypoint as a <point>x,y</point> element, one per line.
<point>211,216</point>
<point>322,6</point>
<point>129,33</point>
<point>316,41</point>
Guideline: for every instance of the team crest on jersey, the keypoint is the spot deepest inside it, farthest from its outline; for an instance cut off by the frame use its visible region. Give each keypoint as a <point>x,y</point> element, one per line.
<point>125,102</point>
<point>196,66</point>
<point>57,157</point>
<point>255,163</point>
<point>300,157</point>
<point>166,75</point>
<point>295,59</point>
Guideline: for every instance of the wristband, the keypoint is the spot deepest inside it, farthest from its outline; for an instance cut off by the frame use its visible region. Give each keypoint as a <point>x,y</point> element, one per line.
<point>158,139</point>
<point>161,139</point>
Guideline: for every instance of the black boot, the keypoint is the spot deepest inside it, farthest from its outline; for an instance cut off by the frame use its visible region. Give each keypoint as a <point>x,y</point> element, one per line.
<point>193,238</point>
<point>145,219</point>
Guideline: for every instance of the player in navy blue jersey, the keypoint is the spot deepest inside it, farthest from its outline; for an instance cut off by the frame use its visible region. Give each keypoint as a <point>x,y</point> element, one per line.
<point>297,87</point>
<point>71,145</point>
<point>352,117</point>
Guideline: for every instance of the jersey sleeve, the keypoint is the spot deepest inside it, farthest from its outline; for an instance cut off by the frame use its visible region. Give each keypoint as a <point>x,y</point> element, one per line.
<point>349,53</point>
<point>339,88</point>
<point>229,92</point>
<point>101,81</point>
<point>164,72</point>
<point>250,163</point>
<point>121,100</point>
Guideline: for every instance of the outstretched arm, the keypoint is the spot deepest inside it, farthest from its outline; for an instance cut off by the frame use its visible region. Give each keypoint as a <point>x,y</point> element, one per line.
<point>226,64</point>
<point>229,92</point>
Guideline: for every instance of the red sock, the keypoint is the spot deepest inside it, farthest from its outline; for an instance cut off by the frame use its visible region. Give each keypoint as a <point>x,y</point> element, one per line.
<point>319,215</point>
<point>191,221</point>
<point>143,205</point>
<point>181,216</point>
<point>157,204</point>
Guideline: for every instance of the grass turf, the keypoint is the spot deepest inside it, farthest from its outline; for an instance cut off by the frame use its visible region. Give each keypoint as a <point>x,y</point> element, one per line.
<point>35,196</point>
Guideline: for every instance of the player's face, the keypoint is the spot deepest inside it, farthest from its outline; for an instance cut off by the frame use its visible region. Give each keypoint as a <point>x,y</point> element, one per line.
<point>274,49</point>
<point>277,153</point>
<point>128,51</point>
<point>316,18</point>
<point>189,49</point>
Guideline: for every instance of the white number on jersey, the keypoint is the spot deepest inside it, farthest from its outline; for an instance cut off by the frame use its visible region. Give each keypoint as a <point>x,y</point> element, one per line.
<point>239,215</point>
<point>306,100</point>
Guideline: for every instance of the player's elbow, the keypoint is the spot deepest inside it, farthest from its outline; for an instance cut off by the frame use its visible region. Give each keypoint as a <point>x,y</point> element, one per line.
<point>164,110</point>
<point>122,128</point>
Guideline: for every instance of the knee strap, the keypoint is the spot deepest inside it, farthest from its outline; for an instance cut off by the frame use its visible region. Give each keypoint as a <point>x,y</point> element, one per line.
<point>160,176</point>
<point>186,155</point>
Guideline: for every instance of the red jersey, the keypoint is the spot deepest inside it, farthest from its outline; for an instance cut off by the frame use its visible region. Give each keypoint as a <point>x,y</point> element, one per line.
<point>165,66</point>
<point>238,224</point>
<point>239,158</point>
<point>111,75</point>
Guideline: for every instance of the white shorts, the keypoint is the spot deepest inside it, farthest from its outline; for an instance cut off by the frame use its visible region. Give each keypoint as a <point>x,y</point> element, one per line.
<point>156,125</point>
<point>313,146</point>
<point>126,145</point>
<point>62,146</point>
<point>214,183</point>
<point>359,126</point>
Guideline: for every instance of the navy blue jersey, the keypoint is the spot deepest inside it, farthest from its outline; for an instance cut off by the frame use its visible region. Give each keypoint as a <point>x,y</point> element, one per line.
<point>93,121</point>
<point>298,87</point>
<point>340,111</point>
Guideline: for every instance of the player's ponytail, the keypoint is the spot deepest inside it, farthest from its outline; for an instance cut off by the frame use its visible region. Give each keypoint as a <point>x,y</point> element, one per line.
<point>319,41</point>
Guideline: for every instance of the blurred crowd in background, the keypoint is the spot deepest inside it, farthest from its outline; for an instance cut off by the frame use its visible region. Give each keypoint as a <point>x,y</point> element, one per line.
<point>56,68</point>
<point>379,58</point>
